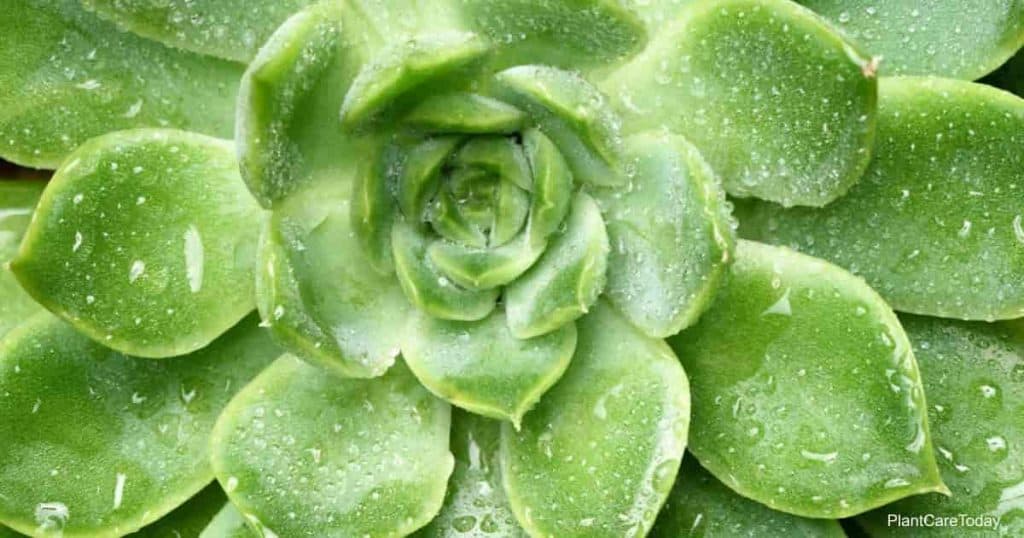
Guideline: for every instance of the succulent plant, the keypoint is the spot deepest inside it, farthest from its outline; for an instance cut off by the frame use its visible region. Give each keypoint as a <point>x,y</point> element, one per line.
<point>491,259</point>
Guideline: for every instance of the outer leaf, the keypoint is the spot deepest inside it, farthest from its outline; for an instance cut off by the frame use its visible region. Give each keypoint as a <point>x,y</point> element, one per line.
<point>806,394</point>
<point>700,505</point>
<point>476,505</point>
<point>671,235</point>
<point>124,441</point>
<point>233,30</point>
<point>288,134</point>
<point>320,296</point>
<point>607,439</point>
<point>569,33</point>
<point>948,38</point>
<point>974,376</point>
<point>936,224</point>
<point>145,241</point>
<point>482,367</point>
<point>465,113</point>
<point>301,453</point>
<point>427,288</point>
<point>18,200</point>
<point>574,114</point>
<point>780,106</point>
<point>69,76</point>
<point>568,278</point>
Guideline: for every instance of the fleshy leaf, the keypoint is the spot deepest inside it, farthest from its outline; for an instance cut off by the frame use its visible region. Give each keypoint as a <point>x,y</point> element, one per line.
<point>232,29</point>
<point>427,288</point>
<point>568,278</point>
<point>552,185</point>
<point>287,136</point>
<point>319,295</point>
<point>69,76</point>
<point>139,442</point>
<point>465,113</point>
<point>405,65</point>
<point>779,105</point>
<point>671,235</point>
<point>574,114</point>
<point>946,38</point>
<point>700,505</point>
<point>499,156</point>
<point>974,376</point>
<point>935,225</point>
<point>482,367</point>
<point>145,241</point>
<point>607,439</point>
<point>806,396</point>
<point>485,268</point>
<point>18,201</point>
<point>476,503</point>
<point>343,457</point>
<point>570,33</point>
<point>373,211</point>
<point>418,174</point>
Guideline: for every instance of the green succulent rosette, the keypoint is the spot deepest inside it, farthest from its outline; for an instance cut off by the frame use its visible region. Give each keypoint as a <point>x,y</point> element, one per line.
<point>492,261</point>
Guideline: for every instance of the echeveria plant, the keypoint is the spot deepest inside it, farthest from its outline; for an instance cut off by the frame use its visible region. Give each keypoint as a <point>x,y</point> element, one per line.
<point>492,257</point>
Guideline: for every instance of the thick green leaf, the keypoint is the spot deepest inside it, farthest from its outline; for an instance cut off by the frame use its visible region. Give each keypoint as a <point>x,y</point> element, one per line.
<point>319,295</point>
<point>482,367</point>
<point>96,444</point>
<point>69,76</point>
<point>598,455</point>
<point>574,114</point>
<point>288,133</point>
<point>779,105</point>
<point>974,376</point>
<point>947,38</point>
<point>552,185</point>
<point>465,113</point>
<point>427,287</point>
<point>188,519</point>
<point>569,33</point>
<point>228,523</point>
<point>145,241</point>
<point>700,505</point>
<point>498,156</point>
<point>418,171</point>
<point>806,396</point>
<point>935,225</point>
<point>671,235</point>
<point>478,268</point>
<point>232,29</point>
<point>403,66</point>
<point>18,201</point>
<point>568,278</point>
<point>301,453</point>
<point>476,505</point>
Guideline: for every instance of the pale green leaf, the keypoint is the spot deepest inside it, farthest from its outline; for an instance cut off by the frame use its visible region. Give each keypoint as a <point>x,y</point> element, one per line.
<point>671,235</point>
<point>973,374</point>
<point>476,506</point>
<point>232,29</point>
<point>806,395</point>
<point>935,225</point>
<point>568,278</point>
<point>482,367</point>
<point>97,444</point>
<point>69,76</point>
<point>700,505</point>
<point>465,113</point>
<point>145,241</point>
<point>304,453</point>
<point>228,523</point>
<point>598,455</point>
<point>780,106</point>
<point>947,38</point>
